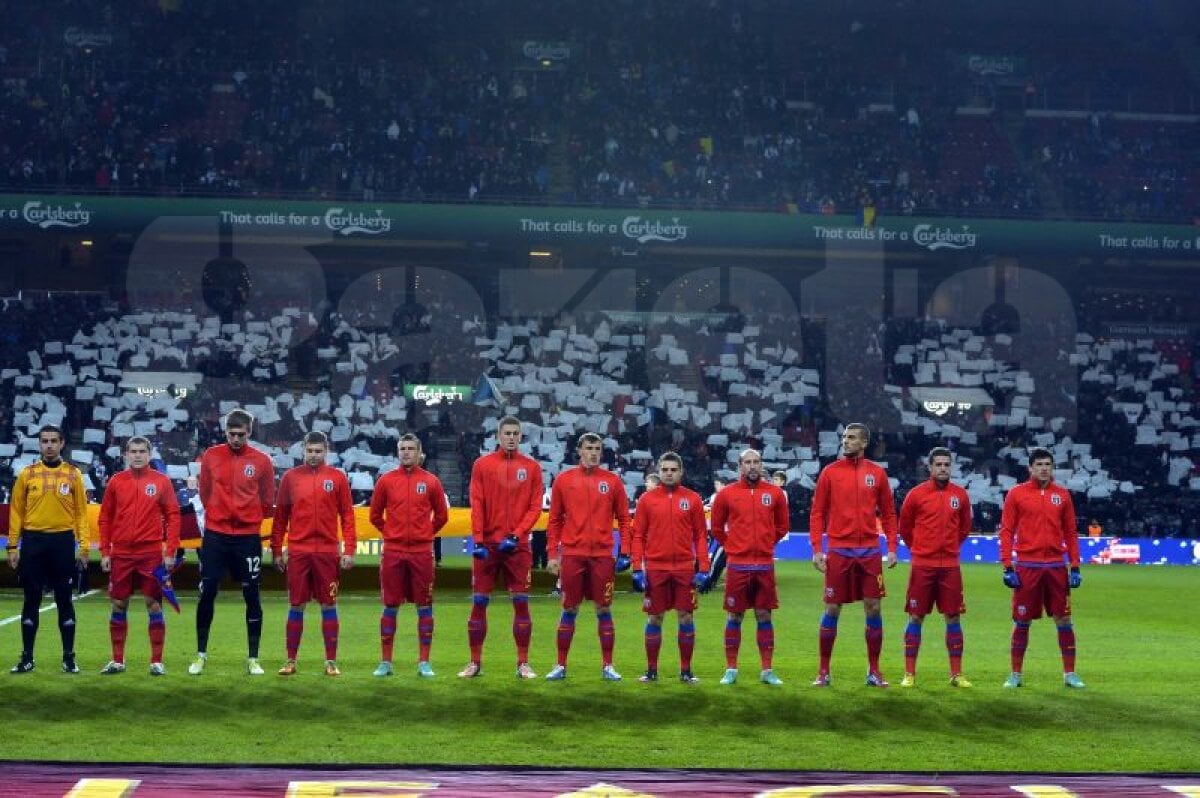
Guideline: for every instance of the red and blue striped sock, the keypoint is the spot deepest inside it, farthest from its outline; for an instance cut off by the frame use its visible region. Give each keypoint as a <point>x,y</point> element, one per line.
<point>687,644</point>
<point>954,646</point>
<point>522,626</point>
<point>765,635</point>
<point>566,633</point>
<point>424,632</point>
<point>912,645</point>
<point>118,631</point>
<point>387,631</point>
<point>1020,641</point>
<point>828,636</point>
<point>1066,644</point>
<point>329,631</point>
<point>733,642</point>
<point>608,636</point>
<point>158,635</point>
<point>653,645</point>
<point>477,627</point>
<point>293,631</point>
<point>874,634</point>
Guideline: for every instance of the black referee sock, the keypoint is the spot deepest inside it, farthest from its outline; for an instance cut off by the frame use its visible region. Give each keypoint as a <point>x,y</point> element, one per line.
<point>29,621</point>
<point>66,616</point>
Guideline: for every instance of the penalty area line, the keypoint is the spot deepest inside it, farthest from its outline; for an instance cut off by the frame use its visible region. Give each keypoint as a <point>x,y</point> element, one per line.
<point>50,606</point>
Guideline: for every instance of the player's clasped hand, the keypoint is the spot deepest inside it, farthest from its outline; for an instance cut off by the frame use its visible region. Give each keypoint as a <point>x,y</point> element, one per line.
<point>1011,578</point>
<point>1076,579</point>
<point>623,563</point>
<point>508,545</point>
<point>700,582</point>
<point>479,551</point>
<point>639,581</point>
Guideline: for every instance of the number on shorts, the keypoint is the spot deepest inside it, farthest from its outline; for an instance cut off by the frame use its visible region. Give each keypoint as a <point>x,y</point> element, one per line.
<point>254,564</point>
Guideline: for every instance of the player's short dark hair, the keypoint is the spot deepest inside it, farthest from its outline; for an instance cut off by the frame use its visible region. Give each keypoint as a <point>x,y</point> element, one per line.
<point>52,429</point>
<point>866,431</point>
<point>1040,453</point>
<point>588,437</point>
<point>939,451</point>
<point>411,438</point>
<point>316,437</point>
<point>239,418</point>
<point>654,477</point>
<point>671,457</point>
<point>779,475</point>
<point>137,440</point>
<point>509,421</point>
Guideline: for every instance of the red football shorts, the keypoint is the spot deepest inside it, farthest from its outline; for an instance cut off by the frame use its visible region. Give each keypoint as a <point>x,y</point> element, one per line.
<point>750,590</point>
<point>406,578</point>
<point>312,576</point>
<point>669,590</point>
<point>589,578</point>
<point>928,585</point>
<point>851,579</point>
<point>1042,589</point>
<point>130,568</point>
<point>514,568</point>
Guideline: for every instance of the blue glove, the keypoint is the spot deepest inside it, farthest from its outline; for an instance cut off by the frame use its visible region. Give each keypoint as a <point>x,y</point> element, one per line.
<point>1011,578</point>
<point>639,581</point>
<point>623,563</point>
<point>1076,579</point>
<point>479,551</point>
<point>508,545</point>
<point>700,582</point>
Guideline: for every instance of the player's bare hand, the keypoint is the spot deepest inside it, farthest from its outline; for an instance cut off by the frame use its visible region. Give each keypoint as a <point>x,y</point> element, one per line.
<point>554,566</point>
<point>168,564</point>
<point>14,557</point>
<point>106,564</point>
<point>281,562</point>
<point>819,561</point>
<point>82,558</point>
<point>347,562</point>
<point>891,559</point>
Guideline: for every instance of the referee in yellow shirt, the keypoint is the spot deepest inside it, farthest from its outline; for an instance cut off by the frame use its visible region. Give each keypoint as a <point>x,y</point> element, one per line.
<point>47,532</point>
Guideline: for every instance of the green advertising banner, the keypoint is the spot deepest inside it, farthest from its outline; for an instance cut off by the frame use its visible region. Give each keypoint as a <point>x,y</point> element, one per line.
<point>499,225</point>
<point>432,395</point>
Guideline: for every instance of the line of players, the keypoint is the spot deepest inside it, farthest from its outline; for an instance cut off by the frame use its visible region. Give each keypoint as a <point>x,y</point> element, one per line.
<point>665,543</point>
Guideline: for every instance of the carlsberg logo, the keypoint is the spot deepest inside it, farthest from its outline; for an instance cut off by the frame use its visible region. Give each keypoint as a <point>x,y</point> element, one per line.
<point>347,223</point>
<point>935,238</point>
<point>47,216</point>
<point>643,230</point>
<point>435,394</point>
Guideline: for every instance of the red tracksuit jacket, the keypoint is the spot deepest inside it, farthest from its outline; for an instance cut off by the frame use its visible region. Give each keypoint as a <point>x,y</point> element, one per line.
<point>934,521</point>
<point>138,509</point>
<point>1038,525</point>
<point>506,497</point>
<point>583,504</point>
<point>409,509</point>
<point>310,502</point>
<point>852,493</point>
<point>748,520</point>
<point>237,489</point>
<point>669,531</point>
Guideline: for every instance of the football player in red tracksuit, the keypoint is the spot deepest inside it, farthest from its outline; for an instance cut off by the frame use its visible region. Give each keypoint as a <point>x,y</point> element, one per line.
<point>1037,528</point>
<point>138,512</point>
<point>852,498</point>
<point>506,502</point>
<point>409,509</point>
<point>934,522</point>
<point>584,503</point>
<point>312,498</point>
<point>237,489</point>
<point>749,517</point>
<point>670,561</point>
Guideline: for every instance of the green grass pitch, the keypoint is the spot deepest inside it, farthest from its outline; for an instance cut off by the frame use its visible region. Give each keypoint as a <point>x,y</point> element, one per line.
<point>1137,652</point>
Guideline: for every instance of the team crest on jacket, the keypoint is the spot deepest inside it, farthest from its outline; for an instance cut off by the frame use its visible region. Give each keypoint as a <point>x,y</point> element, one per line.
<point>685,505</point>
<point>766,500</point>
<point>151,490</point>
<point>522,475</point>
<point>1055,499</point>
<point>421,488</point>
<point>64,488</point>
<point>249,471</point>
<point>604,488</point>
<point>954,503</point>
<point>869,479</point>
<point>327,486</point>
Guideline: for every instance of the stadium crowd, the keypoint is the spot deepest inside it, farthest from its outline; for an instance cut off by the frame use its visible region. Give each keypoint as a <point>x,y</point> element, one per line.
<point>705,385</point>
<point>747,107</point>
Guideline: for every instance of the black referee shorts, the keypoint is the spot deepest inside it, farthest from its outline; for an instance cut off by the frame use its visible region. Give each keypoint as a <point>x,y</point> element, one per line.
<point>47,560</point>
<point>240,555</point>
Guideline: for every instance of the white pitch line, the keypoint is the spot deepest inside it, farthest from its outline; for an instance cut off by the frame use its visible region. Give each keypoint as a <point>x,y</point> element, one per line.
<point>15,618</point>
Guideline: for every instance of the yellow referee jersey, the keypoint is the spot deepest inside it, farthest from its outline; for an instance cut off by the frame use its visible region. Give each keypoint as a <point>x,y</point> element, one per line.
<point>49,499</point>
